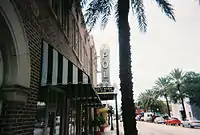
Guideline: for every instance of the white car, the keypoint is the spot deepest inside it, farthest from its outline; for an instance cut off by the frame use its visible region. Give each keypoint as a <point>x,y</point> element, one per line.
<point>190,123</point>
<point>159,120</point>
<point>148,116</point>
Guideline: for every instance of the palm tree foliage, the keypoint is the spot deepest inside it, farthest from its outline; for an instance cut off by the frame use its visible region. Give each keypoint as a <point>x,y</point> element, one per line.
<point>191,88</point>
<point>177,94</point>
<point>150,102</point>
<point>102,10</point>
<point>162,87</point>
<point>177,86</point>
<point>147,99</point>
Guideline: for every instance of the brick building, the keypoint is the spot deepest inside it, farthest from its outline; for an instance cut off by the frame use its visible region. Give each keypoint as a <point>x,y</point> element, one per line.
<point>46,55</point>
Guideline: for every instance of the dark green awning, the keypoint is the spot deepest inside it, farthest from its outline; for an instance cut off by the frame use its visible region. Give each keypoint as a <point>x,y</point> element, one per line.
<point>83,92</point>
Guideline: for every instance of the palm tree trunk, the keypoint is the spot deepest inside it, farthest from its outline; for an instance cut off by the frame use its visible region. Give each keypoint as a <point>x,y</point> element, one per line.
<point>168,109</point>
<point>184,113</point>
<point>182,102</point>
<point>125,74</point>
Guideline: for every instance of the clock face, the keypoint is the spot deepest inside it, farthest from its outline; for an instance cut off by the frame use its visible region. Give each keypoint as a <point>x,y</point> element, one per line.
<point>1,69</point>
<point>104,64</point>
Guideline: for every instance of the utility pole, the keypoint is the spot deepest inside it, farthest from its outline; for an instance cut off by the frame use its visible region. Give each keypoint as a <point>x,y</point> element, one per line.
<point>117,121</point>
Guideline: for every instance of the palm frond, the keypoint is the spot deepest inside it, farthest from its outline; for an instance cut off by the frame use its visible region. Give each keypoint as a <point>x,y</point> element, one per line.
<point>167,8</point>
<point>106,15</point>
<point>138,9</point>
<point>177,75</point>
<point>98,9</point>
<point>83,3</point>
<point>116,12</point>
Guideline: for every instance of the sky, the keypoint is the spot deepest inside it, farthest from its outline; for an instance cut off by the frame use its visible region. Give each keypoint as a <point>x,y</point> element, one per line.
<point>166,44</point>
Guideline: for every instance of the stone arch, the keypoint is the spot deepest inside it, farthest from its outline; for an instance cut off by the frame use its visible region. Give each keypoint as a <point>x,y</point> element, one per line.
<point>17,56</point>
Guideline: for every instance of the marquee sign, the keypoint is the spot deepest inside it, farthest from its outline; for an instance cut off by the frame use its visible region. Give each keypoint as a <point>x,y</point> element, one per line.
<point>104,89</point>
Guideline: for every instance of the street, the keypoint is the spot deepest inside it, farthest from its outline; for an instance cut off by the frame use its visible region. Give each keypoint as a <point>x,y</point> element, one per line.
<point>157,129</point>
<point>148,129</point>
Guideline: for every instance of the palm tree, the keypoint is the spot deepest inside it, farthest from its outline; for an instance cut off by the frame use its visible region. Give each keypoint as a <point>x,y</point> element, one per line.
<point>102,9</point>
<point>191,81</point>
<point>177,76</point>
<point>162,87</point>
<point>148,99</point>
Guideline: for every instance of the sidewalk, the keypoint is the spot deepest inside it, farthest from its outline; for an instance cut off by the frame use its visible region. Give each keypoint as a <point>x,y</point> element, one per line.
<point>107,131</point>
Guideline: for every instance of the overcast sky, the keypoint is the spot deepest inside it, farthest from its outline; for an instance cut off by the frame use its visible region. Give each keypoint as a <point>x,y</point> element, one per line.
<point>165,46</point>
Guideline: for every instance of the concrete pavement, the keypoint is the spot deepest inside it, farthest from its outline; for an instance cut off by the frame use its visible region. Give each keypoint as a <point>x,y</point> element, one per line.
<point>156,129</point>
<point>147,129</point>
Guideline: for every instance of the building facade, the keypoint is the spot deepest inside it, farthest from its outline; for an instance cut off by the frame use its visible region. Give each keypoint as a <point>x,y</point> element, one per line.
<point>45,58</point>
<point>192,111</point>
<point>93,62</point>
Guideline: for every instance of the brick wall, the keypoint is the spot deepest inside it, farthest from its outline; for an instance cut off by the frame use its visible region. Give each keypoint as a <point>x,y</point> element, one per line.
<point>18,118</point>
<point>53,34</point>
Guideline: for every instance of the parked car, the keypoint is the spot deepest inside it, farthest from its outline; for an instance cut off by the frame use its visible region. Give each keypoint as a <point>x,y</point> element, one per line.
<point>148,116</point>
<point>159,120</point>
<point>137,117</point>
<point>173,121</point>
<point>190,123</point>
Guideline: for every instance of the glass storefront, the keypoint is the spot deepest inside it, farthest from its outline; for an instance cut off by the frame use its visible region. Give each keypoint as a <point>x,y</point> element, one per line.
<point>60,115</point>
<point>72,118</point>
<point>1,69</point>
<point>1,79</point>
<point>48,117</point>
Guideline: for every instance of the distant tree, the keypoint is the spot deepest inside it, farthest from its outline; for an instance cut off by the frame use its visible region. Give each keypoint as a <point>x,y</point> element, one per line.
<point>148,99</point>
<point>162,87</point>
<point>191,81</point>
<point>177,93</point>
<point>160,107</point>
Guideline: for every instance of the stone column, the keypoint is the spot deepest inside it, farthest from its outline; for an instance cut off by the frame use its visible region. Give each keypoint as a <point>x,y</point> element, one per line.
<point>78,118</point>
<point>14,103</point>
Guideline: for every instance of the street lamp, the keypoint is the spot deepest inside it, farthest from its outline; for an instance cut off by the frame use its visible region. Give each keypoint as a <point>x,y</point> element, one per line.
<point>117,122</point>
<point>111,112</point>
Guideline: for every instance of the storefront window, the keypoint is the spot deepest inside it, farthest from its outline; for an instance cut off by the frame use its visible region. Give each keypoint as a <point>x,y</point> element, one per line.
<point>50,115</point>
<point>1,79</point>
<point>40,118</point>
<point>72,119</point>
<point>1,69</point>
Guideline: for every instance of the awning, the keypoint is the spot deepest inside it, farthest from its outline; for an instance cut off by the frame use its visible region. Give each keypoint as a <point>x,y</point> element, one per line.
<point>61,74</point>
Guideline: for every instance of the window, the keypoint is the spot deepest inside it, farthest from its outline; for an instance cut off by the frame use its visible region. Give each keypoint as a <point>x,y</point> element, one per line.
<point>1,69</point>
<point>173,118</point>
<point>64,13</point>
<point>80,48</point>
<point>190,114</point>
<point>60,10</point>
<point>67,22</point>
<point>55,5</point>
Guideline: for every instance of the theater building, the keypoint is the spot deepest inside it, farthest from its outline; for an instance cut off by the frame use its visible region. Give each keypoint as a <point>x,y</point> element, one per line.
<point>46,61</point>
